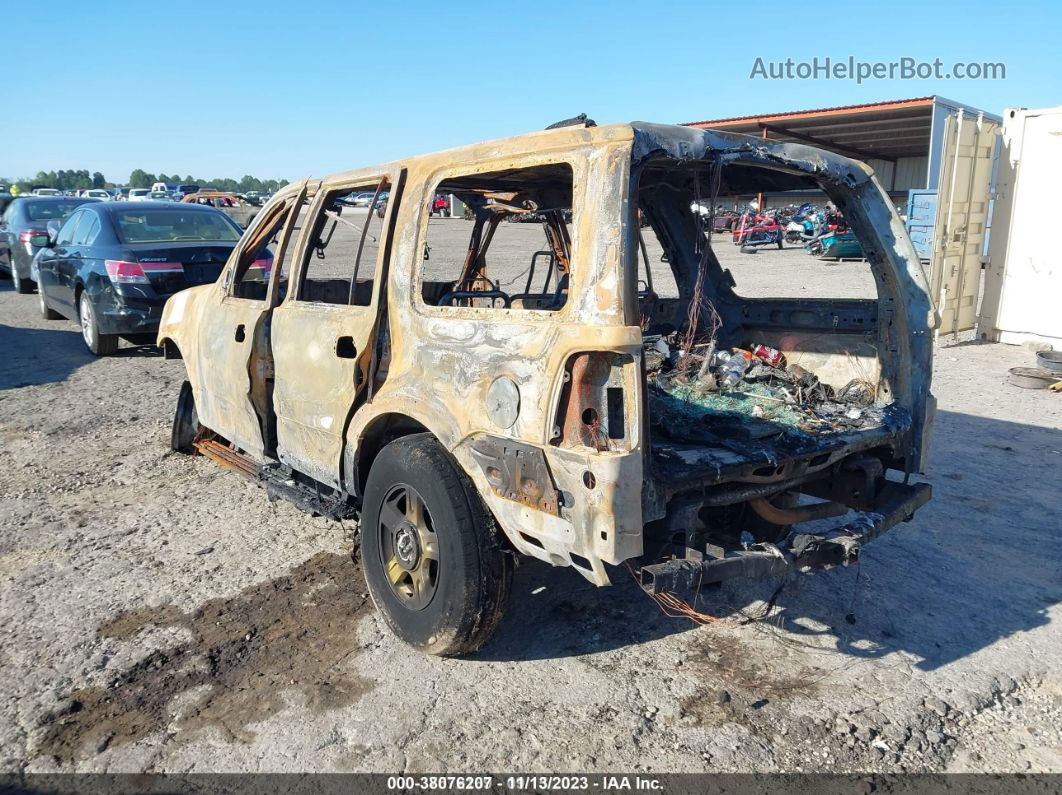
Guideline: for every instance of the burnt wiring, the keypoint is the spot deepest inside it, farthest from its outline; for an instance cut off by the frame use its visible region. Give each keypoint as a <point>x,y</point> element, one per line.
<point>698,303</point>
<point>674,606</point>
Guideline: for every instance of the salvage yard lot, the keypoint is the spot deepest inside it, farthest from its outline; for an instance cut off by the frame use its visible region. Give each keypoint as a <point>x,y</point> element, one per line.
<point>769,272</point>
<point>158,613</point>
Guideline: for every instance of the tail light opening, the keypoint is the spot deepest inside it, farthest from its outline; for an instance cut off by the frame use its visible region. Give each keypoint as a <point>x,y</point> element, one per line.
<point>592,411</point>
<point>121,272</point>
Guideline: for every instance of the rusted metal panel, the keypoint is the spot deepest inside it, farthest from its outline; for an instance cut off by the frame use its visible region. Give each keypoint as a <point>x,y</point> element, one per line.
<point>517,472</point>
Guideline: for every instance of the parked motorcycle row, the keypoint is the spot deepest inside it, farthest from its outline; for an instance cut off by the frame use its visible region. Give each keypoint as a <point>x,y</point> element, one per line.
<point>822,230</point>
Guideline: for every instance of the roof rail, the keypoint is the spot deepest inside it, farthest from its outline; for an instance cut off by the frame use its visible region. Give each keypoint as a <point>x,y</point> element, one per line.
<point>576,121</point>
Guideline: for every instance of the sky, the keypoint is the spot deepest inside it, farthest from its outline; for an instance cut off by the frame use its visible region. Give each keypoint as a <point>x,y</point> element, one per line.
<point>288,89</point>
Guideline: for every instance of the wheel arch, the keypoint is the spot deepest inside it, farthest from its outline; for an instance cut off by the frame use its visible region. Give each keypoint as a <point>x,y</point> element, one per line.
<point>378,433</point>
<point>170,348</point>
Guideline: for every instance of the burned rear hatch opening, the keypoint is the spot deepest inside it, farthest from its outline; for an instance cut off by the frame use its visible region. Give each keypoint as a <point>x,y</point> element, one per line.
<point>764,413</point>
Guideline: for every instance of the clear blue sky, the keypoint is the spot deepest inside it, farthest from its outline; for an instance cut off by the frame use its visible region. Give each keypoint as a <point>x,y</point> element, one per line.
<point>289,89</point>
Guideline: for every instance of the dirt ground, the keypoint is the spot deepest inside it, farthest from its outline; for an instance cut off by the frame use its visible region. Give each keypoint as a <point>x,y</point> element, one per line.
<point>160,614</point>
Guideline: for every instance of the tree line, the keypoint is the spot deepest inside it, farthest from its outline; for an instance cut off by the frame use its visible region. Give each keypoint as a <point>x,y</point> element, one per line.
<point>81,179</point>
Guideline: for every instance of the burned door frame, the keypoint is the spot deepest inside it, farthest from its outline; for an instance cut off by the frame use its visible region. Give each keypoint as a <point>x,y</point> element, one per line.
<point>322,352</point>
<point>230,338</point>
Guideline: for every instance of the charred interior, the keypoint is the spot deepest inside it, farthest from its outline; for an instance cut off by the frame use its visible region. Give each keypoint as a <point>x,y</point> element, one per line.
<point>762,413</point>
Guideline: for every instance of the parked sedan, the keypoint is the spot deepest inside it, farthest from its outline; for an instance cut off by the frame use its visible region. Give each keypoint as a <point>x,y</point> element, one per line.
<point>112,265</point>
<point>24,222</point>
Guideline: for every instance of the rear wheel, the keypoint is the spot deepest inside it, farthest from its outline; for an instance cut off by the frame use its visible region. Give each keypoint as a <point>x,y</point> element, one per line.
<point>431,552</point>
<point>99,344</point>
<point>22,286</point>
<point>46,312</point>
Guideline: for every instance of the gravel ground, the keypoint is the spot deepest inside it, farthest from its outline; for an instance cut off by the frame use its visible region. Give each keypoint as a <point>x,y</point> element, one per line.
<point>160,614</point>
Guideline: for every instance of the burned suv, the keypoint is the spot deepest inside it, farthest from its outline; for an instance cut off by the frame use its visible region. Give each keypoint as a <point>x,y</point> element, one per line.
<point>509,382</point>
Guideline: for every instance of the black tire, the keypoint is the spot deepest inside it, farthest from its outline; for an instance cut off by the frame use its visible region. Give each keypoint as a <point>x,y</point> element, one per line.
<point>186,427</point>
<point>472,573</point>
<point>22,286</point>
<point>46,312</point>
<point>99,344</point>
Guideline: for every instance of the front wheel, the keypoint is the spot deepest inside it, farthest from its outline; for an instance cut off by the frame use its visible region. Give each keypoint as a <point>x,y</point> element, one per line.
<point>431,552</point>
<point>186,427</point>
<point>99,344</point>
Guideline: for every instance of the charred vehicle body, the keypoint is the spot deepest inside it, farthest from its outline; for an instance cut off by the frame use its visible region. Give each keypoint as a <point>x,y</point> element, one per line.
<point>463,416</point>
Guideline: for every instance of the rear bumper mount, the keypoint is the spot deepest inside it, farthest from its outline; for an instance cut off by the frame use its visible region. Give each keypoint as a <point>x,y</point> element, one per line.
<point>839,547</point>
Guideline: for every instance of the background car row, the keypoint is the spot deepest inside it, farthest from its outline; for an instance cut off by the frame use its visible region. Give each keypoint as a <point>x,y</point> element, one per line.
<point>110,266</point>
<point>160,191</point>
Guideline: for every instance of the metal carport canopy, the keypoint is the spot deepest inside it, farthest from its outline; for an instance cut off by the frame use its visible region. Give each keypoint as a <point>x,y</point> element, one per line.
<point>881,130</point>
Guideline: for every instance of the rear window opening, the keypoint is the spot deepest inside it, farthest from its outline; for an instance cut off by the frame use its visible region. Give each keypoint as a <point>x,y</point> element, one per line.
<point>500,240</point>
<point>48,210</point>
<point>174,226</point>
<point>757,349</point>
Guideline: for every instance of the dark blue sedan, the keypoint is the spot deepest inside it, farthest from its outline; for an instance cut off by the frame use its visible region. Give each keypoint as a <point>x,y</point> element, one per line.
<point>112,265</point>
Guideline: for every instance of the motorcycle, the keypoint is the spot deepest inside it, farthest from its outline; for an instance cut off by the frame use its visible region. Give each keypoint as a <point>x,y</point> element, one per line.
<point>802,231</point>
<point>758,231</point>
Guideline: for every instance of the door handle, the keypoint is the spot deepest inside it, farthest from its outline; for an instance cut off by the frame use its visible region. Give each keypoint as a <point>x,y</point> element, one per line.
<point>345,348</point>
<point>241,333</point>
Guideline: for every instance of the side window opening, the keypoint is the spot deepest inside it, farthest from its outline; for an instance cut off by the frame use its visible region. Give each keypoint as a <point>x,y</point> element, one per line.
<point>87,230</point>
<point>507,243</point>
<point>340,265</point>
<point>256,261</point>
<point>260,259</point>
<point>288,255</point>
<point>655,277</point>
<point>68,232</point>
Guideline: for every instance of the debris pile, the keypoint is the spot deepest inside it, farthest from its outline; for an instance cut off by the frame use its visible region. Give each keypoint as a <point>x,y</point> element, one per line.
<point>750,387</point>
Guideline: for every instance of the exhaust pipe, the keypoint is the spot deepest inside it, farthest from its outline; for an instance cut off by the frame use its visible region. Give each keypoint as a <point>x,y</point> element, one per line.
<point>797,514</point>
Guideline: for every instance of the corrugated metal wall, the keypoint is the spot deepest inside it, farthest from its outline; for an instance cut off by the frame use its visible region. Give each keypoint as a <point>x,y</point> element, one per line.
<point>908,172</point>
<point>883,171</point>
<point>911,173</point>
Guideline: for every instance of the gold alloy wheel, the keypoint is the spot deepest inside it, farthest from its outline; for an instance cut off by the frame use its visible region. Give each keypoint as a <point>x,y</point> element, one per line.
<point>409,547</point>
